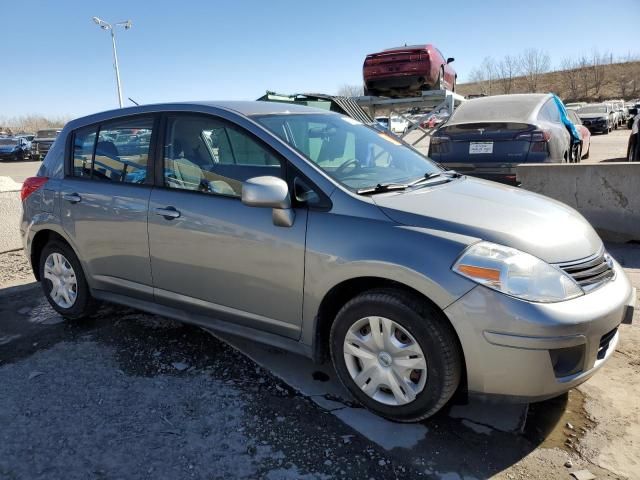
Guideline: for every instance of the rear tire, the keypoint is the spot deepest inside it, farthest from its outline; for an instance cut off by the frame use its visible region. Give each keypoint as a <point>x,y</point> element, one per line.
<point>411,330</point>
<point>59,267</point>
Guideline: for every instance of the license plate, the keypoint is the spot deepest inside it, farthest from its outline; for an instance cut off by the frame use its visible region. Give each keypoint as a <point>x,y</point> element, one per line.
<point>481,147</point>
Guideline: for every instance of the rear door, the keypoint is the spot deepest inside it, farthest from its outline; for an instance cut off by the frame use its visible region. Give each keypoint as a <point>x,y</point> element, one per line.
<point>210,253</point>
<point>105,198</point>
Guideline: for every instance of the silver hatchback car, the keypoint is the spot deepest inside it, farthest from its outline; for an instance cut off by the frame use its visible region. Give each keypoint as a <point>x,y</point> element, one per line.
<point>309,231</point>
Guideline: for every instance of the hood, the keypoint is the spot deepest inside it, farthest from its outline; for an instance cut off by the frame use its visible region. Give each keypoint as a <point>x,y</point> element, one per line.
<point>7,148</point>
<point>490,211</point>
<point>593,115</point>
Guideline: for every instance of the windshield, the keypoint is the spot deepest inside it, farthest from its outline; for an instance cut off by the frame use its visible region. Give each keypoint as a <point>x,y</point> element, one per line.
<point>594,109</point>
<point>7,141</point>
<point>351,153</point>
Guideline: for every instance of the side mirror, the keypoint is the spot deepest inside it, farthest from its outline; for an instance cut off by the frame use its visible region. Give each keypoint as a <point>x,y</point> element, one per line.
<point>270,192</point>
<point>450,59</point>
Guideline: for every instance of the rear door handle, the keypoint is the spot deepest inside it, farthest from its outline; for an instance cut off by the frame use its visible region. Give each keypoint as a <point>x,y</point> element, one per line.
<point>72,197</point>
<point>168,212</point>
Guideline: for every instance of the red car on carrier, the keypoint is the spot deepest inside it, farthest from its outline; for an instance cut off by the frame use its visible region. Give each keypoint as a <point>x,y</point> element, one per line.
<point>403,71</point>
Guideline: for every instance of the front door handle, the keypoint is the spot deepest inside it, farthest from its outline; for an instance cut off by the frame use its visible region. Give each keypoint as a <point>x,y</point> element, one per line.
<point>168,212</point>
<point>72,197</point>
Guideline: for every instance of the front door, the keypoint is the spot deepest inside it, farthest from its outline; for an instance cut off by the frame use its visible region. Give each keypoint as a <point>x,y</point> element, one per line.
<point>211,254</point>
<point>105,201</point>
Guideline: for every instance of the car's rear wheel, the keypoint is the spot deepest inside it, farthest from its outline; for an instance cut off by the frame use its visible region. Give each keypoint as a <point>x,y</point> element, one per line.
<point>397,354</point>
<point>63,281</point>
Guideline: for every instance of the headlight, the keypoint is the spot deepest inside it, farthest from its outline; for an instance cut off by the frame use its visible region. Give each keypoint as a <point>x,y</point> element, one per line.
<point>515,273</point>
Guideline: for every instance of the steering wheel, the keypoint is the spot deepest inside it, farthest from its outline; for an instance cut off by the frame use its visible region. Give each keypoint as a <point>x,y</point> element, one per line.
<point>343,166</point>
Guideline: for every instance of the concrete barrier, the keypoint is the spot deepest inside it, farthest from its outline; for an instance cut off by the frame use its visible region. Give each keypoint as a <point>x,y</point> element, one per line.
<point>606,194</point>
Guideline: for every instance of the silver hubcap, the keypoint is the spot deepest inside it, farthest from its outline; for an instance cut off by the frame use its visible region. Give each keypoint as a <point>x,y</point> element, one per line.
<point>385,361</point>
<point>64,286</point>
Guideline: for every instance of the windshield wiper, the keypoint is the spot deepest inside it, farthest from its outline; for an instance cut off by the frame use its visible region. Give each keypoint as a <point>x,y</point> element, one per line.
<point>429,176</point>
<point>381,188</point>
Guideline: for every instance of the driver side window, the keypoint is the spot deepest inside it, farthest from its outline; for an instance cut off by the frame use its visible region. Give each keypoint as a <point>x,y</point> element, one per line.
<point>208,155</point>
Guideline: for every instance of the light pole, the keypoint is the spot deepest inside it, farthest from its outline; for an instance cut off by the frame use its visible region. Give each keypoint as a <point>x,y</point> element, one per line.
<point>107,26</point>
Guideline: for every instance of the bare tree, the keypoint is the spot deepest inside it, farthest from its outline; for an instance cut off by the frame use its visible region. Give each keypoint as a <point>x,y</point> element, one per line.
<point>583,74</point>
<point>571,76</point>
<point>478,76</point>
<point>485,75</point>
<point>507,69</point>
<point>598,70</point>
<point>347,90</point>
<point>534,63</point>
<point>33,123</point>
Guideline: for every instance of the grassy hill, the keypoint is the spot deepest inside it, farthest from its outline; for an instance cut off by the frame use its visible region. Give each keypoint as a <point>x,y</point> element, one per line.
<point>620,80</point>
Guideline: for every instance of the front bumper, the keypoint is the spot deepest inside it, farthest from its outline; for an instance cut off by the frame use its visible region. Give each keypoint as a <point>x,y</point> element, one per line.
<point>511,347</point>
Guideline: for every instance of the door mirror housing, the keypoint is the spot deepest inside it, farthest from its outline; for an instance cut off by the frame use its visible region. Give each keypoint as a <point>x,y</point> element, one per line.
<point>270,192</point>
<point>450,59</point>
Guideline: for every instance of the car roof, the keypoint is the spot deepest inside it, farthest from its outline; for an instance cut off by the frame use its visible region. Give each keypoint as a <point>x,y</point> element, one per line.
<point>245,108</point>
<point>499,108</point>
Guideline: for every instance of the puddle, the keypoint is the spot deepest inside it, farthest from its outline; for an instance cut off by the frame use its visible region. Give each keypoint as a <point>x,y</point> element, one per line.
<point>548,422</point>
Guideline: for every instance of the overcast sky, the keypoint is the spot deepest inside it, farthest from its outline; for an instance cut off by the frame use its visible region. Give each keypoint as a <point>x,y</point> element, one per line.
<point>58,62</point>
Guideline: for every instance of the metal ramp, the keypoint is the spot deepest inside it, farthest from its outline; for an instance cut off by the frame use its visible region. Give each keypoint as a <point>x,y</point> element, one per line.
<point>429,102</point>
<point>344,105</point>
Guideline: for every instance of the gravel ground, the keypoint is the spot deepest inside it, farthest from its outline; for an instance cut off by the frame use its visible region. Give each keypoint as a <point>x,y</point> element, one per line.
<point>14,269</point>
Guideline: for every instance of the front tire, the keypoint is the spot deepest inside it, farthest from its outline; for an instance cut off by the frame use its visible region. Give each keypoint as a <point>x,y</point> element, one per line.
<point>396,353</point>
<point>63,281</point>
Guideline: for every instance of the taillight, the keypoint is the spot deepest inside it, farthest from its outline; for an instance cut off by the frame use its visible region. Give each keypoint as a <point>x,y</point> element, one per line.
<point>30,185</point>
<point>439,144</point>
<point>538,139</point>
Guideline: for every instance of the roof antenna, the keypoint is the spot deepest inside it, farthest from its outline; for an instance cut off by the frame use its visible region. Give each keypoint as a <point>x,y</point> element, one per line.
<point>133,101</point>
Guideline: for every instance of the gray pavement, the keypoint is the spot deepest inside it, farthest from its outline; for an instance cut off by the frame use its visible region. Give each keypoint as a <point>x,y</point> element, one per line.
<point>18,171</point>
<point>10,211</point>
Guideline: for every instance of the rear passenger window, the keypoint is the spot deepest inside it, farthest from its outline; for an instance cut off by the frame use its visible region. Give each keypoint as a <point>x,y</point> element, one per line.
<point>122,151</point>
<point>83,143</point>
<point>211,156</point>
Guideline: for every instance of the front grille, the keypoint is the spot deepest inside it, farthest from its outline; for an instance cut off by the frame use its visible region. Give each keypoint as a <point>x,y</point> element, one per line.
<point>592,272</point>
<point>604,343</point>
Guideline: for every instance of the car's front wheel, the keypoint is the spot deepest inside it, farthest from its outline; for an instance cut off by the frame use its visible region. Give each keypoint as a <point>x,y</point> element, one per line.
<point>63,281</point>
<point>396,353</point>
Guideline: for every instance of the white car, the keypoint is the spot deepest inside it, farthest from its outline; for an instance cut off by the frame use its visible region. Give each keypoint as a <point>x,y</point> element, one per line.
<point>399,125</point>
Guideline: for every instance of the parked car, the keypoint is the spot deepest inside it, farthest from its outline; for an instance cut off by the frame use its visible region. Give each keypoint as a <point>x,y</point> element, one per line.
<point>405,71</point>
<point>633,112</point>
<point>12,148</point>
<point>281,223</point>
<point>597,117</point>
<point>488,137</point>
<point>27,136</point>
<point>394,124</point>
<point>42,142</point>
<point>633,147</point>
<point>585,134</point>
